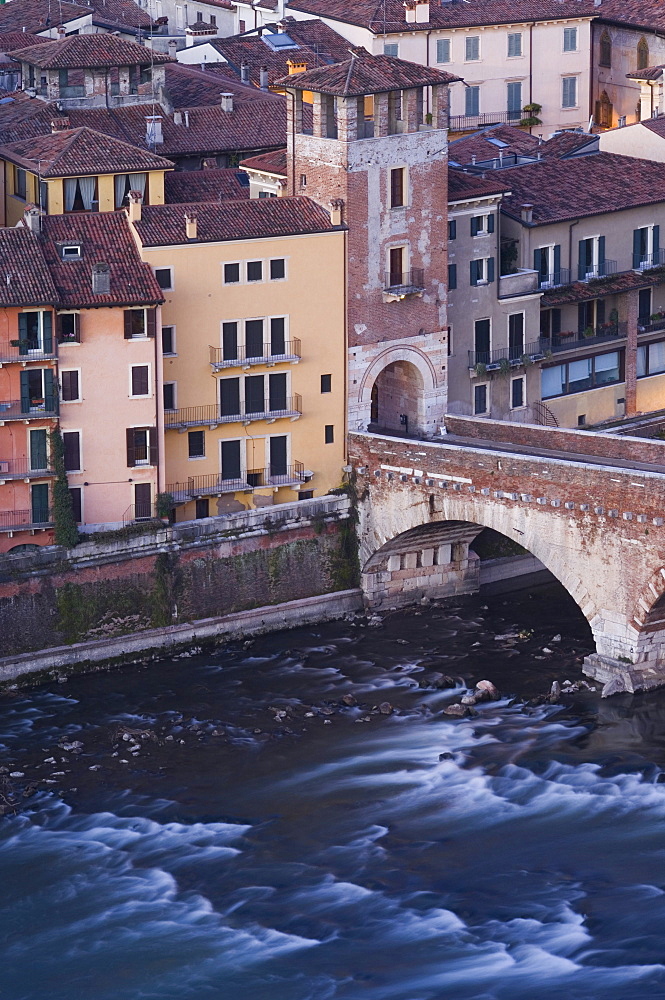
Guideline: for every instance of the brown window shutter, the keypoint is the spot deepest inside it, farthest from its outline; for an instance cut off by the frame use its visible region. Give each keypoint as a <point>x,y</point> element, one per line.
<point>131,447</point>
<point>152,436</point>
<point>128,324</point>
<point>58,328</point>
<point>151,322</point>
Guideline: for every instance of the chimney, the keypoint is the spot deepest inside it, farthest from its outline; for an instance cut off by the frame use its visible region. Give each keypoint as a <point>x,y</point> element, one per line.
<point>173,48</point>
<point>60,33</point>
<point>60,125</point>
<point>336,209</point>
<point>186,117</point>
<point>244,71</point>
<point>177,117</point>
<point>153,130</point>
<point>422,11</point>
<point>101,279</point>
<point>226,101</point>
<point>527,213</point>
<point>32,218</point>
<point>191,226</point>
<point>263,77</point>
<point>135,202</point>
<point>622,121</point>
<point>410,11</point>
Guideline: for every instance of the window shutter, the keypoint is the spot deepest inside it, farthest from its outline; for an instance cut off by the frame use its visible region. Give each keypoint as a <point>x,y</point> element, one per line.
<point>490,223</point>
<point>556,321</point>
<point>152,438</point>
<point>452,276</point>
<point>601,254</point>
<point>58,327</point>
<point>490,268</point>
<point>474,225</point>
<point>600,312</point>
<point>581,318</point>
<point>151,322</point>
<point>452,229</point>
<point>23,333</point>
<point>557,263</point>
<point>50,397</point>
<point>128,324</point>
<point>537,260</point>
<point>72,448</point>
<point>581,269</point>
<point>48,332</point>
<point>25,393</point>
<point>656,244</point>
<point>473,270</point>
<point>131,447</point>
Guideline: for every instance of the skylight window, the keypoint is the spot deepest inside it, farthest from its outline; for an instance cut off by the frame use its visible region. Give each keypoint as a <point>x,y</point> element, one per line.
<point>498,142</point>
<point>70,251</point>
<point>278,41</point>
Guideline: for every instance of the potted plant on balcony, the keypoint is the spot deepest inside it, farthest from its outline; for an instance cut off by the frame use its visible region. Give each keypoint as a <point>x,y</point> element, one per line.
<point>526,360</point>
<point>480,370</point>
<point>588,332</point>
<point>504,366</point>
<point>531,112</point>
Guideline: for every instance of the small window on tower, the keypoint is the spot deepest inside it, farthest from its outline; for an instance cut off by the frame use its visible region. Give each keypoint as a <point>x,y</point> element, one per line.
<point>398,187</point>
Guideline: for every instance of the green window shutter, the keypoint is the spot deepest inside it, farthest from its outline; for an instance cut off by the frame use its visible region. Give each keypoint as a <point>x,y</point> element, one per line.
<point>581,270</point>
<point>48,332</point>
<point>490,223</point>
<point>537,260</point>
<point>601,254</point>
<point>50,395</point>
<point>25,393</point>
<point>656,244</point>
<point>23,333</point>
<point>490,269</point>
<point>557,264</point>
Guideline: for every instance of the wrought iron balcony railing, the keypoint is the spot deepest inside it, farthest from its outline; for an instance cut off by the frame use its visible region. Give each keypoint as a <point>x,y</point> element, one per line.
<point>464,123</point>
<point>406,283</point>
<point>591,272</point>
<point>20,468</point>
<point>573,340</point>
<point>214,484</point>
<point>554,280</point>
<point>242,357</point>
<point>508,357</point>
<point>15,409</point>
<point>26,350</point>
<point>269,409</point>
<point>19,520</point>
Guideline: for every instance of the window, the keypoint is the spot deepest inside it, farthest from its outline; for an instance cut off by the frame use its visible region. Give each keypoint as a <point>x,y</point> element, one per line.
<point>570,39</point>
<point>646,247</point>
<point>278,449</point>
<point>212,18</point>
<point>480,398</point>
<point>396,260</point>
<point>516,335</point>
<point>76,493</point>
<point>651,359</point>
<point>231,274</point>
<point>472,101</point>
<point>398,187</point>
<point>241,27</point>
<point>569,92</point>
<point>70,386</point>
<point>443,50</point>
<point>644,309</point>
<point>169,391</point>
<point>38,450</point>
<point>277,269</point>
<point>481,225</point>
<point>452,276</point>
<point>202,508</point>
<point>35,333</point>
<point>326,383</point>
<point>605,53</point>
<point>547,261</point>
<point>604,111</point>
<point>472,48</point>
<point>517,393</point>
<point>38,391</point>
<point>139,380</point>
<point>168,340</point>
<point>70,251</point>
<point>164,276</point>
<point>306,495</point>
<point>481,271</point>
<point>481,340</point>
<point>255,270</point>
<point>452,229</point>
<point>230,460</point>
<point>329,433</point>
<point>20,183</point>
<point>514,44</point>
<point>140,323</point>
<point>591,258</point>
<point>142,501</point>
<point>72,447</point>
<point>579,375</point>
<point>391,49</point>
<point>141,446</point>
<point>642,54</point>
<point>81,194</point>
<point>39,503</point>
<point>68,328</point>
<point>124,183</point>
<point>303,180</point>
<point>197,444</point>
<point>514,100</point>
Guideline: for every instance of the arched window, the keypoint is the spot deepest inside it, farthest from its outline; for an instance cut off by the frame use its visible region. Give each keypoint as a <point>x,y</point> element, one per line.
<point>642,54</point>
<point>605,58</point>
<point>604,111</point>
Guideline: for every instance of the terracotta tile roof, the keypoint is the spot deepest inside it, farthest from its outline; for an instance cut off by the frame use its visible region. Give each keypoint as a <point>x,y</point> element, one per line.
<point>366,74</point>
<point>104,237</point>
<point>81,51</point>
<point>656,125</point>
<point>390,14</point>
<point>24,277</point>
<point>164,225</point>
<point>650,73</point>
<point>39,15</point>
<point>508,139</point>
<point>567,144</point>
<point>462,186</point>
<point>10,40</point>
<point>269,163</point>
<point>316,45</point>
<point>190,87</point>
<point>647,14</point>
<point>125,14</point>
<point>560,190</point>
<point>580,291</point>
<point>80,151</point>
<point>182,186</point>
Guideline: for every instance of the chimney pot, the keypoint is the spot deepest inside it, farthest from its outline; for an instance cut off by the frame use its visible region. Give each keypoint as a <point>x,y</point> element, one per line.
<point>135,202</point>
<point>226,101</point>
<point>173,48</point>
<point>32,218</point>
<point>191,227</point>
<point>153,130</point>
<point>263,74</point>
<point>527,213</point>
<point>336,210</point>
<point>101,279</point>
<point>244,71</point>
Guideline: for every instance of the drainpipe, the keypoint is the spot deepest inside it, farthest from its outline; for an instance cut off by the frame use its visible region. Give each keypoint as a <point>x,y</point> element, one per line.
<point>630,374</point>
<point>427,37</point>
<point>293,143</point>
<point>530,65</point>
<point>570,246</point>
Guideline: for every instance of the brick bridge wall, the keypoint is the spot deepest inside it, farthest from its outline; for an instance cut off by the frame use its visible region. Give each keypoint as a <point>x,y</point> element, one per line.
<point>599,529</point>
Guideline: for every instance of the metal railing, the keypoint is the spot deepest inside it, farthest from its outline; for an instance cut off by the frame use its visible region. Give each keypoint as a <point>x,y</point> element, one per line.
<point>214,484</point>
<point>193,416</point>
<point>23,350</point>
<point>571,341</point>
<point>556,279</point>
<point>405,283</point>
<point>653,327</point>
<point>463,123</point>
<point>290,352</point>
<point>141,512</point>
<point>16,520</point>
<point>591,272</point>
<point>19,468</point>
<point>642,262</point>
<point>13,410</point>
<point>507,356</point>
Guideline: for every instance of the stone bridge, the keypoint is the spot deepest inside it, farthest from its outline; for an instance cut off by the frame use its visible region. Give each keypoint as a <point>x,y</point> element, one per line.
<point>590,506</point>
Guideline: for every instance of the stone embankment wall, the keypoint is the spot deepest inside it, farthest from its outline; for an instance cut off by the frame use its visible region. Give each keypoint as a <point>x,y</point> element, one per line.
<point>179,574</point>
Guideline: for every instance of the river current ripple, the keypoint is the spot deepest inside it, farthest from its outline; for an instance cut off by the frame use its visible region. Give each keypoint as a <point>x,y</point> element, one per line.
<point>316,856</point>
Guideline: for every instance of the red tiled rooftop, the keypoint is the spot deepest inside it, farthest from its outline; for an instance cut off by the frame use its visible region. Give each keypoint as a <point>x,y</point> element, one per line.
<point>10,40</point>
<point>24,277</point>
<point>270,163</point>
<point>184,186</point>
<point>191,87</point>
<point>462,186</point>
<point>581,291</point>
<point>366,74</point>
<point>81,51</point>
<point>508,139</point>
<point>38,15</point>
<point>80,151</point>
<point>647,14</point>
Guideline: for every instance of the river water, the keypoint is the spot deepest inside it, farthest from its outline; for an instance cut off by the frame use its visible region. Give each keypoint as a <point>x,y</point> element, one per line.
<point>256,837</point>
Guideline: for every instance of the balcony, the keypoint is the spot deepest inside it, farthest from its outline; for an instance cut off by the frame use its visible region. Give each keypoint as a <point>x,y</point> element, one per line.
<point>592,272</point>
<point>215,485</point>
<point>555,280</point>
<point>521,282</point>
<point>507,357</point>
<point>19,468</point>
<point>573,340</point>
<point>644,326</point>
<point>15,410</point>
<point>469,123</point>
<point>647,261</point>
<point>201,416</point>
<point>25,350</point>
<point>24,520</point>
<point>400,285</point>
<point>245,359</point>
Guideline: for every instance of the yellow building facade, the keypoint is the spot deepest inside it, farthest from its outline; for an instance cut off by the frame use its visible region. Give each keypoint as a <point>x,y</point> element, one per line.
<point>254,342</point>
